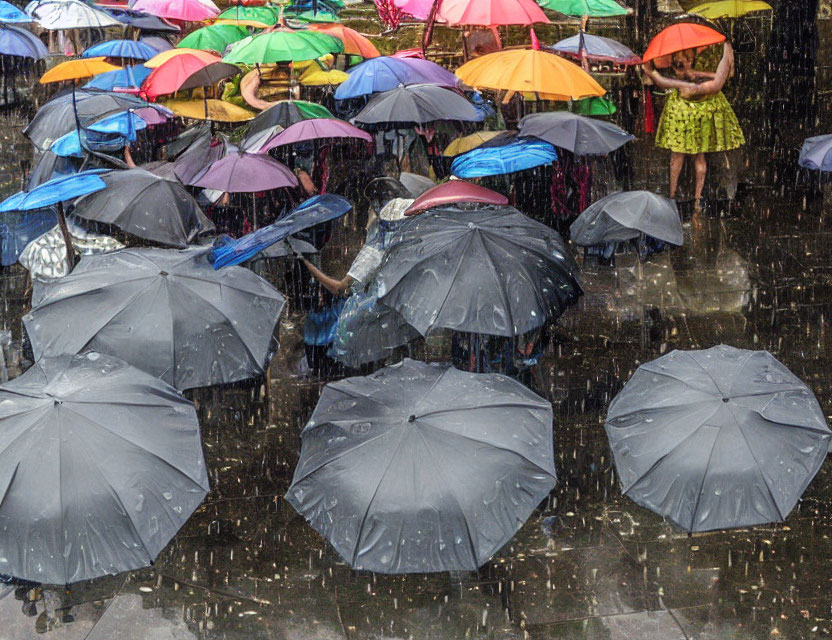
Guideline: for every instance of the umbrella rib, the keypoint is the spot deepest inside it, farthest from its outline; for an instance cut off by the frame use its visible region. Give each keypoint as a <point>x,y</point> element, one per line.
<point>644,367</point>
<point>687,353</point>
<point>496,405</point>
<point>740,369</point>
<point>462,255</point>
<point>654,408</point>
<point>499,283</point>
<point>704,477</point>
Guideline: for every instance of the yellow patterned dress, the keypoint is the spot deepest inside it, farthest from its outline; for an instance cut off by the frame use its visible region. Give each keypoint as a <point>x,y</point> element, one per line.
<point>696,126</point>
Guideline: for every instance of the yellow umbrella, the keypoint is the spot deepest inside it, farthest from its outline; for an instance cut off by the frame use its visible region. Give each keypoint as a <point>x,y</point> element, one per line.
<point>466,143</point>
<point>77,69</point>
<point>243,23</point>
<point>161,58</point>
<point>730,8</point>
<point>530,70</point>
<point>210,109</point>
<point>314,75</point>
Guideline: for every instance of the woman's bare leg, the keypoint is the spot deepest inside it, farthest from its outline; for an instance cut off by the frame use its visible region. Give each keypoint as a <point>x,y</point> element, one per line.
<point>676,162</point>
<point>701,168</point>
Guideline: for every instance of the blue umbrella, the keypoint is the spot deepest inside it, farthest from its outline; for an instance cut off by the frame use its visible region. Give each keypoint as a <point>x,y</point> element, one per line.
<point>19,229</point>
<point>816,153</point>
<point>314,211</point>
<point>113,132</point>
<point>10,13</point>
<point>15,41</point>
<point>384,73</point>
<point>138,20</point>
<point>496,161</point>
<point>120,49</point>
<point>126,78</point>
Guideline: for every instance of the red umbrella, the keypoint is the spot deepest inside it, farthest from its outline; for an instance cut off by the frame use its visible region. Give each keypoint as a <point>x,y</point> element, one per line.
<point>490,13</point>
<point>454,192</point>
<point>246,173</point>
<point>681,36</point>
<point>171,75</point>
<point>315,129</point>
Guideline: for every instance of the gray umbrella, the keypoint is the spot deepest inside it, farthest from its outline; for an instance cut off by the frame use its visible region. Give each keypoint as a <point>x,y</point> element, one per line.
<point>491,270</point>
<point>164,311</point>
<point>101,466</point>
<point>625,215</point>
<point>421,467</point>
<point>146,206</point>
<point>717,438</point>
<point>581,135</point>
<point>417,103</point>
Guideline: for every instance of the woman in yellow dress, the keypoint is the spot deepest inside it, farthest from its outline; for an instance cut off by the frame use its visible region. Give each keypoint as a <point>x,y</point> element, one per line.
<point>697,118</point>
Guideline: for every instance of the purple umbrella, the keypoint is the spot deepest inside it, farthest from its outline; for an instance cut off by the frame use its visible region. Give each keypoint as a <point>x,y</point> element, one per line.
<point>385,73</point>
<point>15,41</point>
<point>246,173</point>
<point>314,129</point>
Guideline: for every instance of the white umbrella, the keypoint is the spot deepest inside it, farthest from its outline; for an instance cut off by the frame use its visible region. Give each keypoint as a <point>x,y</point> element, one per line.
<point>69,14</point>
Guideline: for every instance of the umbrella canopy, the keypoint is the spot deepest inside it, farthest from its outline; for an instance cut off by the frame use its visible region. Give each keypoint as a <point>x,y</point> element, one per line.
<point>209,75</point>
<point>262,15</point>
<point>418,103</point>
<point>202,151</point>
<point>529,70</point>
<point>246,173</point>
<point>681,36</point>
<point>140,20</point>
<point>286,113</point>
<point>354,43</point>
<point>57,117</point>
<point>596,48</point>
<point>387,73</point>
<point>54,191</point>
<point>730,8</point>
<point>591,8</point>
<point>10,13</point>
<point>317,16</point>
<point>467,143</point>
<point>146,206</point>
<point>214,38</point>
<point>58,15</point>
<point>210,109</point>
<point>315,129</point>
<point>164,56</point>
<point>717,438</point>
<point>76,69</point>
<point>126,78</point>
<point>183,10</point>
<point>581,135</point>
<point>816,153</point>
<point>315,76</point>
<point>15,41</point>
<point>490,270</point>
<point>120,49</point>
<point>414,469</point>
<point>490,13</point>
<point>519,155</point>
<point>314,211</point>
<point>164,311</point>
<point>284,46</point>
<point>170,76</point>
<point>625,215</point>
<point>103,466</point>
<point>594,107</point>
<point>454,192</point>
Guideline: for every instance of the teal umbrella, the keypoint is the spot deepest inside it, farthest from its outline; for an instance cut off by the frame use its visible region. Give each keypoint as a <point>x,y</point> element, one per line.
<point>591,8</point>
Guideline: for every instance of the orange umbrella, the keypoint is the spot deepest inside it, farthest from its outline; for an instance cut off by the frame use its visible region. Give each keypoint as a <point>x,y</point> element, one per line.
<point>76,69</point>
<point>530,71</point>
<point>159,59</point>
<point>681,36</point>
<point>354,43</point>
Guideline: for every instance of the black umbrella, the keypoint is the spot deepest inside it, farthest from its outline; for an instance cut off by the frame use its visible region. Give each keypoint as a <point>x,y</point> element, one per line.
<point>201,153</point>
<point>491,270</point>
<point>625,215</point>
<point>57,117</point>
<point>578,134</point>
<point>284,114</point>
<point>102,464</point>
<point>717,438</point>
<point>210,75</point>
<point>165,311</point>
<point>185,139</point>
<point>146,206</point>
<point>421,467</point>
<point>419,104</point>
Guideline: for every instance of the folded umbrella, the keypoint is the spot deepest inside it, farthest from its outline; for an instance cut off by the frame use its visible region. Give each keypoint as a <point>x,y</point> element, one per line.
<point>520,155</point>
<point>246,173</point>
<point>421,467</point>
<point>103,466</point>
<point>578,134</point>
<point>626,215</point>
<point>120,49</point>
<point>165,311</point>
<point>419,104</point>
<point>717,438</point>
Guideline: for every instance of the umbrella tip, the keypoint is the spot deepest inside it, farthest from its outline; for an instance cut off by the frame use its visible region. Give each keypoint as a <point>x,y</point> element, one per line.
<point>412,418</point>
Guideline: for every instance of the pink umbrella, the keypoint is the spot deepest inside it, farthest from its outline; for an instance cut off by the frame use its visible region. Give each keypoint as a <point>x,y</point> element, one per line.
<point>419,9</point>
<point>246,173</point>
<point>315,129</point>
<point>184,10</point>
<point>454,192</point>
<point>409,53</point>
<point>490,13</point>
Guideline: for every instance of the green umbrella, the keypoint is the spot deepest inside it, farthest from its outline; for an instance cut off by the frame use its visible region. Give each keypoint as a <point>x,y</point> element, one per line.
<point>213,38</point>
<point>266,15</point>
<point>284,46</point>
<point>594,106</point>
<point>591,8</point>
<point>320,16</point>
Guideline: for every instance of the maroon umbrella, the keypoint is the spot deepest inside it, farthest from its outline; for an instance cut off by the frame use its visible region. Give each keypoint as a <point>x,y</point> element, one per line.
<point>246,173</point>
<point>454,192</point>
<point>315,129</point>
